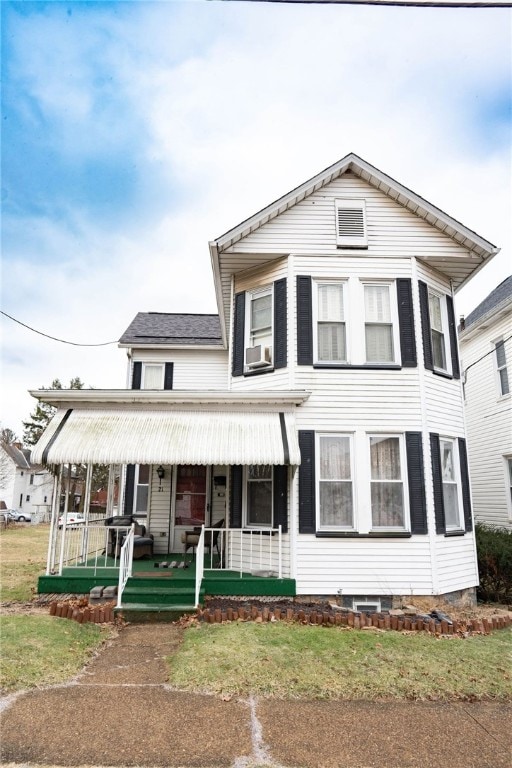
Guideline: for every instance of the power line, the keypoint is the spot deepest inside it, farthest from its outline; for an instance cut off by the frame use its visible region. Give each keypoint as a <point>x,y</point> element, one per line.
<point>54,338</point>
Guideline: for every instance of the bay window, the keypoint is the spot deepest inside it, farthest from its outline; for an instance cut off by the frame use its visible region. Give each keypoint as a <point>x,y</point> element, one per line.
<point>451,483</point>
<point>386,482</point>
<point>437,331</point>
<point>335,492</point>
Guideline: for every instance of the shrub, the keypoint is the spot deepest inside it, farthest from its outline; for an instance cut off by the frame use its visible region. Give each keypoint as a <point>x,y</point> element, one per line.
<point>494,550</point>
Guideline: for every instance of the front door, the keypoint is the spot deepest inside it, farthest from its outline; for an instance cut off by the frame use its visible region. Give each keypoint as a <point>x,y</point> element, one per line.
<point>191,500</point>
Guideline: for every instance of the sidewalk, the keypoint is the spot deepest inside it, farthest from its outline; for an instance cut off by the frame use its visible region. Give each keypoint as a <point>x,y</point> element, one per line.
<point>120,712</point>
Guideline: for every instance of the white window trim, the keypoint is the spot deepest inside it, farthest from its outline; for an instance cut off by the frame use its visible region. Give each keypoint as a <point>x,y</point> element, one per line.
<point>136,485</point>
<point>351,241</point>
<point>458,480</point>
<point>497,370</point>
<point>317,282</point>
<point>445,331</point>
<point>406,527</point>
<point>245,506</point>
<point>154,364</point>
<point>251,294</point>
<point>507,460</point>
<point>393,304</point>
<point>339,528</point>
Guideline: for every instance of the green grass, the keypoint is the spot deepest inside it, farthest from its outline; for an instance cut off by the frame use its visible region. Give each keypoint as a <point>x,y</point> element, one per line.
<point>44,650</point>
<point>294,661</point>
<point>23,551</point>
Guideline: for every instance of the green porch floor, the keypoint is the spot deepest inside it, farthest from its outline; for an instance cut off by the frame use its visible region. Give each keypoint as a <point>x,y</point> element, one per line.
<point>81,579</point>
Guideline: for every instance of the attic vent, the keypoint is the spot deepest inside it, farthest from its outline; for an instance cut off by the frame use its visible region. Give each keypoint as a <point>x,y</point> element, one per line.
<point>351,224</point>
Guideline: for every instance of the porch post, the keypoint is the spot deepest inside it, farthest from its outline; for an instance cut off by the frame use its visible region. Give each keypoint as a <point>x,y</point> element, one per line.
<point>64,521</point>
<point>110,492</point>
<point>52,540</point>
<point>87,511</point>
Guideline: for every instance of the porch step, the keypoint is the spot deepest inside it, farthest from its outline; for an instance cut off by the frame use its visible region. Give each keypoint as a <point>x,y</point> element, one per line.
<point>166,594</point>
<point>144,612</point>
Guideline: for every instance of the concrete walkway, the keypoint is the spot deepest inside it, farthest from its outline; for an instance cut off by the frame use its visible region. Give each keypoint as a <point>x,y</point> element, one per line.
<point>120,712</point>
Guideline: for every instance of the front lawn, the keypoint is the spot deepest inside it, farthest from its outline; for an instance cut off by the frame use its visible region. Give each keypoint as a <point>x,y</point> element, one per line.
<point>295,661</point>
<point>23,551</point>
<point>44,650</point>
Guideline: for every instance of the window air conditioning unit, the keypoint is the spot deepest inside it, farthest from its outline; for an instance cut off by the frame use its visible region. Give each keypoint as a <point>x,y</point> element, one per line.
<point>257,357</point>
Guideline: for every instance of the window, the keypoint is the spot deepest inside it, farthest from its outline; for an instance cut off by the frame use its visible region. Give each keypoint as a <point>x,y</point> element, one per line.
<point>387,488</point>
<point>31,481</point>
<point>437,331</point>
<point>331,334</point>
<point>351,224</point>
<point>141,491</point>
<point>501,367</point>
<point>153,376</point>
<point>508,462</point>
<point>451,484</point>
<point>28,498</point>
<point>259,328</point>
<point>335,493</point>
<point>259,495</point>
<point>378,324</point>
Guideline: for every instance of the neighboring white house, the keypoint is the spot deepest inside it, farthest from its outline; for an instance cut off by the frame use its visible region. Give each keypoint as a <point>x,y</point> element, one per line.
<point>324,397</point>
<point>486,349</point>
<point>24,486</point>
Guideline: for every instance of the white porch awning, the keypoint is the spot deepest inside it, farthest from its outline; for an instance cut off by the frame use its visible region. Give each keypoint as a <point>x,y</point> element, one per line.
<point>124,436</point>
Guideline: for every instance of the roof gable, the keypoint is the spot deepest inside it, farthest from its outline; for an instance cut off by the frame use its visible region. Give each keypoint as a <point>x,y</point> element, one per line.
<point>396,191</point>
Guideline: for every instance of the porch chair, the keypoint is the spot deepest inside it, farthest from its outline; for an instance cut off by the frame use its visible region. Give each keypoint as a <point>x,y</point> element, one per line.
<point>190,539</point>
<point>142,541</point>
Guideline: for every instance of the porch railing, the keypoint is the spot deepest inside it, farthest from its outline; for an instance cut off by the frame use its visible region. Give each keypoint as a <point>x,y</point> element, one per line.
<point>246,550</point>
<point>92,545</point>
<point>125,563</point>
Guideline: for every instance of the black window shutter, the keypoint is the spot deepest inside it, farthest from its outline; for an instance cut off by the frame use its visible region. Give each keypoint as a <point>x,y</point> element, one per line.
<point>239,335</point>
<point>406,322</point>
<point>416,477</point>
<point>235,512</point>
<point>307,512</point>
<point>425,327</point>
<point>435,453</point>
<point>281,497</point>
<point>452,330</point>
<point>464,477</point>
<point>129,489</point>
<point>280,324</point>
<point>304,321</point>
<point>168,375</point>
<point>137,376</point>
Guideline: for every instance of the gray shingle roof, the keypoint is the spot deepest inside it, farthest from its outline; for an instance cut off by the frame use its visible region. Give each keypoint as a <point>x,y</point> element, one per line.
<point>20,456</point>
<point>500,295</point>
<point>172,329</point>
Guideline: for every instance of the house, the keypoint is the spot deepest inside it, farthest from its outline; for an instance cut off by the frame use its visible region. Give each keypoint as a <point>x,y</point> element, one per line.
<point>24,486</point>
<point>319,415</point>
<point>486,349</point>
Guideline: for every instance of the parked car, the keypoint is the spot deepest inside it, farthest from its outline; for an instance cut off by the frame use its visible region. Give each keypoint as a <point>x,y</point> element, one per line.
<point>17,516</point>
<point>73,519</point>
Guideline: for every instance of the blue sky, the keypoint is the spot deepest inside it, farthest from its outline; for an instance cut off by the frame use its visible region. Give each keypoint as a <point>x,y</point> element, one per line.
<point>134,132</point>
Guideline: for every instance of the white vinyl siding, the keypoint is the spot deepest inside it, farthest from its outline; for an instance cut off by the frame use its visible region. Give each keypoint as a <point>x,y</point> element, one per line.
<point>193,369</point>
<point>488,419</point>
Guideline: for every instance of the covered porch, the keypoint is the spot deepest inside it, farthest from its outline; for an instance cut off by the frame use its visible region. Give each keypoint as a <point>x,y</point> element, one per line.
<point>195,486</point>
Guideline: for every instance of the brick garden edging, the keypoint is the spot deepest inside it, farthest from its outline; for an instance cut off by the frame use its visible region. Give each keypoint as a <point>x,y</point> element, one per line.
<point>97,614</point>
<point>381,621</point>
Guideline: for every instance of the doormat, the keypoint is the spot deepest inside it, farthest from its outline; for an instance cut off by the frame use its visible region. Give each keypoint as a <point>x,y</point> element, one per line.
<point>172,564</point>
